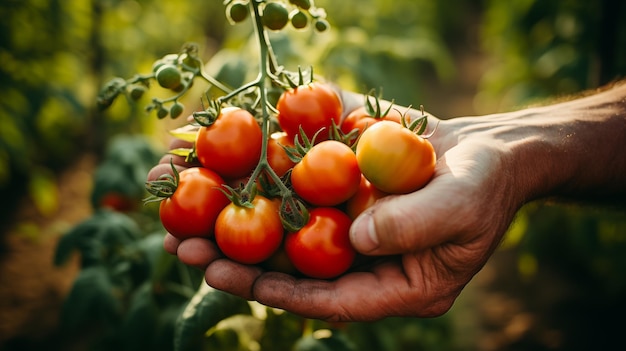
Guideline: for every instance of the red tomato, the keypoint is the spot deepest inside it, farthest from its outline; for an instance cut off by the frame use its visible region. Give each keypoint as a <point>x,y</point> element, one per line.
<point>327,175</point>
<point>117,202</point>
<point>249,235</point>
<point>322,248</point>
<point>365,197</point>
<point>232,145</point>
<point>195,205</point>
<point>279,262</point>
<point>276,154</point>
<point>394,159</point>
<point>313,106</point>
<point>360,119</point>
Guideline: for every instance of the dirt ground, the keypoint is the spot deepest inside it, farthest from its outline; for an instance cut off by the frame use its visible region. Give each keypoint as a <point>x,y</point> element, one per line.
<point>31,287</point>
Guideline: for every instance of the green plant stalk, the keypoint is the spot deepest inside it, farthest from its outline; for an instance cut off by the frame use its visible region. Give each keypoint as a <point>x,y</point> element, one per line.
<point>264,50</point>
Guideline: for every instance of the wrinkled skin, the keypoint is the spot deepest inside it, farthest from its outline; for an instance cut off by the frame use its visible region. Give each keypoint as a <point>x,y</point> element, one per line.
<point>426,246</point>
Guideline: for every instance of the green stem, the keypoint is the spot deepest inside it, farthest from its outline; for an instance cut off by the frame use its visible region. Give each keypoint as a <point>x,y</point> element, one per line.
<point>257,82</point>
<point>265,52</point>
<point>216,83</point>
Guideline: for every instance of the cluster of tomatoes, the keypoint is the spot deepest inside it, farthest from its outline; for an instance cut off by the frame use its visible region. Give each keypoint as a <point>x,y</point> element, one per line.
<point>275,14</point>
<point>335,181</point>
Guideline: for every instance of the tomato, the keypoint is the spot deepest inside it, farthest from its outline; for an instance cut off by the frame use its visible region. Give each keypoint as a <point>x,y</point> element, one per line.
<point>298,19</point>
<point>117,202</point>
<point>176,109</point>
<point>322,248</point>
<point>303,4</point>
<point>279,262</point>
<point>237,11</point>
<point>365,197</point>
<point>276,154</point>
<point>169,76</point>
<point>249,235</point>
<point>232,145</point>
<point>314,107</point>
<point>360,119</point>
<point>321,25</point>
<point>194,206</point>
<point>275,15</point>
<point>395,159</point>
<point>327,175</point>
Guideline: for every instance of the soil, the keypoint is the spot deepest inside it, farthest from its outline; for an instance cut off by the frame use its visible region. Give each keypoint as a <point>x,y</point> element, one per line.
<point>32,289</point>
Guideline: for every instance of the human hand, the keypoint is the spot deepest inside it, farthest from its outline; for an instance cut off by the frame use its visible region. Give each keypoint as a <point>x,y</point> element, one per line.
<point>427,245</point>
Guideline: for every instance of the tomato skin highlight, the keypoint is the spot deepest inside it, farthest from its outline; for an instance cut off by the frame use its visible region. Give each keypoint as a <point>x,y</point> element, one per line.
<point>327,175</point>
<point>193,208</point>
<point>249,235</point>
<point>364,198</point>
<point>394,159</point>
<point>322,248</point>
<point>313,106</point>
<point>232,145</point>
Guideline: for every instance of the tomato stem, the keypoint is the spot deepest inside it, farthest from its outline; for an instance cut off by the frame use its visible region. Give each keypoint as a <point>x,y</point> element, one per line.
<point>267,66</point>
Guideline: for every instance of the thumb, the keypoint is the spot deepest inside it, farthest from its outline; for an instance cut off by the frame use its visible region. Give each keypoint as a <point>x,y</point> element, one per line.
<point>405,223</point>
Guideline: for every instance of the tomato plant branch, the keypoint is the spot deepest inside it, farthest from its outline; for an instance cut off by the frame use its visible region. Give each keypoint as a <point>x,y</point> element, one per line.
<point>264,50</point>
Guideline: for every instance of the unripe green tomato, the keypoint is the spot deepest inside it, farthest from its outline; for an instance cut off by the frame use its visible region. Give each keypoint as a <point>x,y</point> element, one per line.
<point>237,11</point>
<point>303,4</point>
<point>299,19</point>
<point>176,109</point>
<point>167,59</point>
<point>275,15</point>
<point>169,76</point>
<point>321,25</point>
<point>162,112</point>
<point>137,91</point>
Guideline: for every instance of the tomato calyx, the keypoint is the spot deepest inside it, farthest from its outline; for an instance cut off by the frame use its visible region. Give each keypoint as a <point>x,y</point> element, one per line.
<point>300,148</point>
<point>375,110</point>
<point>301,78</point>
<point>208,115</point>
<point>293,213</point>
<point>241,197</point>
<point>162,187</point>
<point>418,126</point>
<point>349,138</point>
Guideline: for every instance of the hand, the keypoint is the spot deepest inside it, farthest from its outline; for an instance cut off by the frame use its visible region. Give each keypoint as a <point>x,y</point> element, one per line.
<point>431,242</point>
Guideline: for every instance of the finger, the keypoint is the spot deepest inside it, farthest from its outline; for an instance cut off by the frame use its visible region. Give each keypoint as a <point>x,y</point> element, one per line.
<point>170,243</point>
<point>362,296</point>
<point>180,144</point>
<point>232,277</point>
<point>162,169</point>
<point>197,252</point>
<point>412,222</point>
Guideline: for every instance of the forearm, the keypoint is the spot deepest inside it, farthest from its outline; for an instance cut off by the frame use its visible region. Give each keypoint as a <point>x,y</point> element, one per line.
<point>574,149</point>
<point>591,145</point>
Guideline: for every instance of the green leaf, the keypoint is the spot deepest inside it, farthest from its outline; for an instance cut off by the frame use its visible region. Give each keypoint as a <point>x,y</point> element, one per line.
<point>97,238</point>
<point>184,133</point>
<point>324,340</point>
<point>141,318</point>
<point>282,330</point>
<point>205,310</point>
<point>92,299</point>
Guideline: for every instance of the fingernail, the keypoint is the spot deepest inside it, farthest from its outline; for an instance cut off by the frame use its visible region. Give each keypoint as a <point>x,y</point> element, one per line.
<point>363,234</point>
